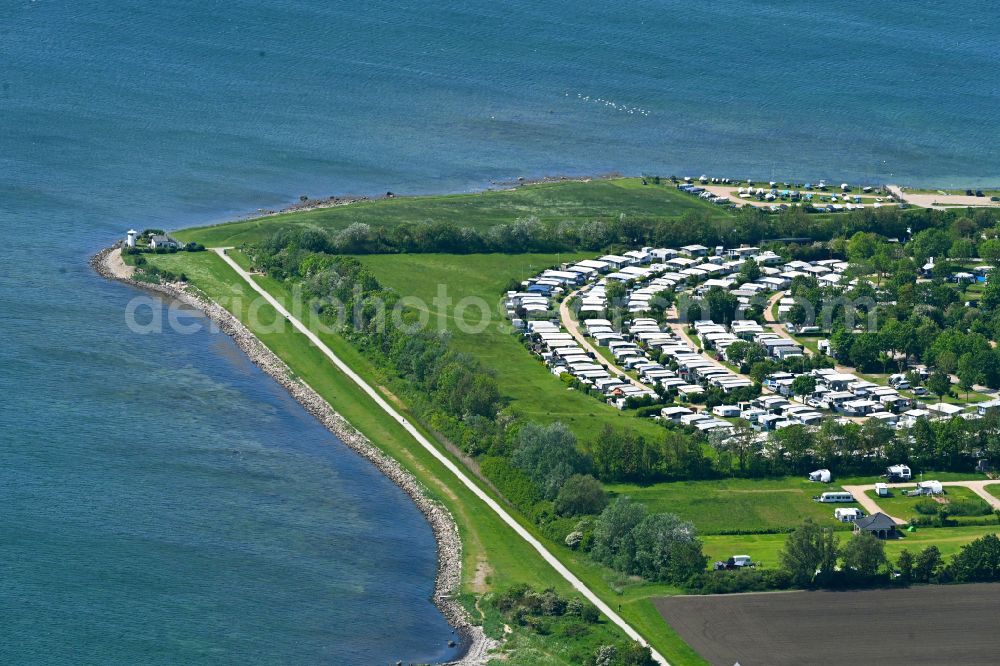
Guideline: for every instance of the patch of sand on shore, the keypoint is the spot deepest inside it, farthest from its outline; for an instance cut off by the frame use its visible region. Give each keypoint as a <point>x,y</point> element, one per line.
<point>115,265</point>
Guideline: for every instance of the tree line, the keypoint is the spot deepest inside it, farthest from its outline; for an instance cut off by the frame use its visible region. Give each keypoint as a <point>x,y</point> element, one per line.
<point>746,225</point>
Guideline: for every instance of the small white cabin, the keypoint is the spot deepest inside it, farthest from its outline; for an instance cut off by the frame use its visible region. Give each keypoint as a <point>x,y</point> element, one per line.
<point>881,489</point>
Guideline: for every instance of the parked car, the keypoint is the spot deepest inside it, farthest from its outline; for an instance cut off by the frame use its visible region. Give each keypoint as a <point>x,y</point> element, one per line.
<point>920,391</point>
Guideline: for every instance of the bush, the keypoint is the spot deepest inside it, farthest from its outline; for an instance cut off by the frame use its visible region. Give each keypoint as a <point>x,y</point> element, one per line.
<point>741,580</point>
<point>580,495</point>
<point>969,507</point>
<point>511,482</point>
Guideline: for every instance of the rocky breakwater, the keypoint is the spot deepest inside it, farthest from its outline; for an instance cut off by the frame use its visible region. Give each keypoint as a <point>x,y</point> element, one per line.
<point>474,643</point>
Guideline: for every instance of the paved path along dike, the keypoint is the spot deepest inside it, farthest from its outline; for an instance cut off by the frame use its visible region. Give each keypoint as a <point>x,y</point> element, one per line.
<point>443,459</point>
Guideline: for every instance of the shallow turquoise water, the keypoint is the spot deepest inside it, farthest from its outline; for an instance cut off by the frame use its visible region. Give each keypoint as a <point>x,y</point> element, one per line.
<point>162,501</point>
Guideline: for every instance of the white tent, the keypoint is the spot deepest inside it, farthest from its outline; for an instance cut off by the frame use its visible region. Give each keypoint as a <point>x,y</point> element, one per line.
<point>821,476</point>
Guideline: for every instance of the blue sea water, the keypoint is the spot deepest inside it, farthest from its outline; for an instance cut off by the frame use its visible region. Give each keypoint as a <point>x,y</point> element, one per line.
<point>161,501</point>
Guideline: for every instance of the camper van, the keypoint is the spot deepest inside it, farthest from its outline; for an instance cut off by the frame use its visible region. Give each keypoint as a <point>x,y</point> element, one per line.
<point>898,473</point>
<point>835,497</point>
<point>881,490</point>
<point>739,561</point>
<point>848,514</point>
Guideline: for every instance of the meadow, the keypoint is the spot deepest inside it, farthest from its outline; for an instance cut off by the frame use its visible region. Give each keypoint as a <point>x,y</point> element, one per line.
<point>526,384</point>
<point>764,548</point>
<point>738,505</point>
<point>549,202</point>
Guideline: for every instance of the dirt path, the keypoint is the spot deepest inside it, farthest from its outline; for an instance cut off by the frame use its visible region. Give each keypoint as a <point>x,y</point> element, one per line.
<point>775,326</point>
<point>447,462</point>
<point>114,263</point>
<point>871,506</point>
<point>573,326</point>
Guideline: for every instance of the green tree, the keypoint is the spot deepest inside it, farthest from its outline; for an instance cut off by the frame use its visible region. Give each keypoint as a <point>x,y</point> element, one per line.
<point>865,553</point>
<point>978,560</point>
<point>548,455</point>
<point>969,373</point>
<point>621,454</point>
<point>990,299</point>
<point>808,551</point>
<point>929,243</point>
<point>865,350</point>
<point>666,549</point>
<point>962,248</point>
<point>905,565</point>
<point>745,353</point>
<point>803,385</point>
<point>661,302</point>
<point>580,495</point>
<point>721,304</point>
<point>862,246</point>
<point>612,540</point>
<point>940,384</point>
<point>990,249</point>
<point>750,271</point>
<point>927,564</point>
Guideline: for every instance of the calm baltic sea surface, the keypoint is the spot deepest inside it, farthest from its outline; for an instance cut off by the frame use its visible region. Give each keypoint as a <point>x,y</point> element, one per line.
<point>163,501</point>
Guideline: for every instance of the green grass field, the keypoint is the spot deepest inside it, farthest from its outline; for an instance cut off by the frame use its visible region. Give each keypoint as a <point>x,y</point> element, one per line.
<point>738,504</point>
<point>524,381</point>
<point>764,548</point>
<point>549,202</point>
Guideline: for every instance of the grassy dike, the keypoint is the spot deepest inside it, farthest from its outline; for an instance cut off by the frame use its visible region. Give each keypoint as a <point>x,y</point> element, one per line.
<point>494,558</point>
<point>597,200</point>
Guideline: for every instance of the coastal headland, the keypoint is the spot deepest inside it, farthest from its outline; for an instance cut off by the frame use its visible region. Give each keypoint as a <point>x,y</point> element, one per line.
<point>524,554</point>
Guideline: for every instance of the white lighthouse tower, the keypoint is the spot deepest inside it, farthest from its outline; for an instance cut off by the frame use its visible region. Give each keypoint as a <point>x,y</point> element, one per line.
<point>130,238</point>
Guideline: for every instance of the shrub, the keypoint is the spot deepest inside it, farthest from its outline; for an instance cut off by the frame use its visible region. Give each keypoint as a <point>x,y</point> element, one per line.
<point>580,495</point>
<point>511,482</point>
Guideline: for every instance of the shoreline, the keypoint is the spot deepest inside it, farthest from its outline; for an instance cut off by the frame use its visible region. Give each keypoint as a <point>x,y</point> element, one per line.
<point>473,644</point>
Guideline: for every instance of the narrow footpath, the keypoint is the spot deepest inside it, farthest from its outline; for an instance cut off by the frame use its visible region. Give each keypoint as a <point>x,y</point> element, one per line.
<point>560,568</point>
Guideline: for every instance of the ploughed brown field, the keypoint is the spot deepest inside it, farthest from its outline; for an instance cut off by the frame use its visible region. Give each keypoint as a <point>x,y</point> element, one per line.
<point>936,624</point>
